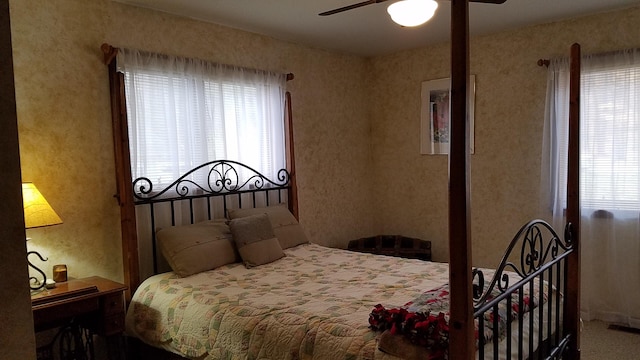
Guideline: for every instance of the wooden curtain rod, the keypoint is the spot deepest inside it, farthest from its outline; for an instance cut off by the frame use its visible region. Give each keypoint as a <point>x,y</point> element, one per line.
<point>110,53</point>
<point>546,62</point>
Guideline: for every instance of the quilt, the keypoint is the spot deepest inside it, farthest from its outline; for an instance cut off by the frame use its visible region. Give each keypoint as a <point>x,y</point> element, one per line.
<point>312,304</point>
<point>424,321</point>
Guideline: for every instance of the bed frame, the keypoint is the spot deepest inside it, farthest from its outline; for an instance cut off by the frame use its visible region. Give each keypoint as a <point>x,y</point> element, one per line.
<point>220,187</point>
<point>463,312</point>
<point>541,255</point>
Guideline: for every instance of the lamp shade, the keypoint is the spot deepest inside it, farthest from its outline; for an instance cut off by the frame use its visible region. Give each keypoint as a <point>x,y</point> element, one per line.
<point>37,211</point>
<point>412,12</point>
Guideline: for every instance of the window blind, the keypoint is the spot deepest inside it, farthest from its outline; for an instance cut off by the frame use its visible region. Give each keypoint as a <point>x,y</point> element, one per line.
<point>185,112</point>
<point>610,131</point>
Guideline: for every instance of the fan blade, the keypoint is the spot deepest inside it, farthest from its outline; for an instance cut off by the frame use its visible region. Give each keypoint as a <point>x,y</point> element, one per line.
<point>369,2</point>
<point>489,1</point>
<point>349,7</point>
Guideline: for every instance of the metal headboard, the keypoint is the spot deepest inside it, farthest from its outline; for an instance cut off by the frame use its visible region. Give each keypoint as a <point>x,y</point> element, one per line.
<point>204,193</point>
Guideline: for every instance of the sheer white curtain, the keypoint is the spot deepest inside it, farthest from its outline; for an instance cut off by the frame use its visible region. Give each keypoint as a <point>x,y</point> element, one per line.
<point>184,112</point>
<point>609,179</point>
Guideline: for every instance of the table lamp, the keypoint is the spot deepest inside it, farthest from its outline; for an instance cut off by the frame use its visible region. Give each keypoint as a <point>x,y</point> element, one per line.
<point>37,213</point>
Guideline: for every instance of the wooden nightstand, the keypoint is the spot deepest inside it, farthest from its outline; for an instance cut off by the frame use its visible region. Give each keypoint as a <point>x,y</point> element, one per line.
<point>82,307</point>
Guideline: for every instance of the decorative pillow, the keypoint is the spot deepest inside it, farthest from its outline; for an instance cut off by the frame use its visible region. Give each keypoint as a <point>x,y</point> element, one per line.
<point>255,240</point>
<point>190,249</point>
<point>285,226</point>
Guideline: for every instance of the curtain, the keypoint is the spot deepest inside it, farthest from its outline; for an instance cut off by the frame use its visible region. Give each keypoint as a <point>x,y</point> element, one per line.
<point>185,112</point>
<point>609,179</point>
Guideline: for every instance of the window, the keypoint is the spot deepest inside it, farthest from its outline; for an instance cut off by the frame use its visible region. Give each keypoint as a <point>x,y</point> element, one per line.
<point>610,163</point>
<point>609,176</point>
<point>185,112</point>
<point>610,131</point>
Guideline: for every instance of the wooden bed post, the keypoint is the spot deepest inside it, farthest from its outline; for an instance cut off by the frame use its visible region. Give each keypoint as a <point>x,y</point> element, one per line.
<point>461,330</point>
<point>290,157</point>
<point>572,302</point>
<point>124,194</point>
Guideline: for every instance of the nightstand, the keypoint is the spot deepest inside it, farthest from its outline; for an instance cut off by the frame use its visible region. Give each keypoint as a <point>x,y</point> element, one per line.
<point>81,308</point>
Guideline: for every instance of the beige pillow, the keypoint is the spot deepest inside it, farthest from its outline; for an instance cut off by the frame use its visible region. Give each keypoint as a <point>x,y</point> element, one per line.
<point>255,240</point>
<point>285,226</point>
<point>190,249</point>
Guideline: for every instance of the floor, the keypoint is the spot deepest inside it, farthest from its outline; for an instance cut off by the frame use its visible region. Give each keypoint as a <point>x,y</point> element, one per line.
<point>598,342</point>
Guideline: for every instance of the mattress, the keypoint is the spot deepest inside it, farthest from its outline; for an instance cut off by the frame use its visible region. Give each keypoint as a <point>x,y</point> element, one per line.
<point>312,304</point>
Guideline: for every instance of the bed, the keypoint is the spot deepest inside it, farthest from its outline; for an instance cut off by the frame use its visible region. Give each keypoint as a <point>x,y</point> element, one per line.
<point>210,299</point>
<point>285,308</point>
<point>312,303</point>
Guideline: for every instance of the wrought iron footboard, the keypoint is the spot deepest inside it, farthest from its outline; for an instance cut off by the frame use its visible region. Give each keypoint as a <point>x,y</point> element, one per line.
<point>542,265</point>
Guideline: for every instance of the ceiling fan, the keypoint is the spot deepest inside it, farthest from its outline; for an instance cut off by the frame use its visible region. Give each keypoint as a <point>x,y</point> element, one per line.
<point>369,2</point>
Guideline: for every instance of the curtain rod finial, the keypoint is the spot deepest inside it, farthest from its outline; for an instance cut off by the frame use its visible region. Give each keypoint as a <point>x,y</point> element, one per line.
<point>109,52</point>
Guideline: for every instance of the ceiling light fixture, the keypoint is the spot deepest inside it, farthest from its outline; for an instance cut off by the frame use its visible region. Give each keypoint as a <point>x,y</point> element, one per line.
<point>412,12</point>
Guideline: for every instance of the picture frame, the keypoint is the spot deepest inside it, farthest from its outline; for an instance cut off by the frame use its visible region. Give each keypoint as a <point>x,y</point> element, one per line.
<point>435,116</point>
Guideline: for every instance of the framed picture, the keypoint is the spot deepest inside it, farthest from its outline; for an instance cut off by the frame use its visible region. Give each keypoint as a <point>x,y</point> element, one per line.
<point>435,115</point>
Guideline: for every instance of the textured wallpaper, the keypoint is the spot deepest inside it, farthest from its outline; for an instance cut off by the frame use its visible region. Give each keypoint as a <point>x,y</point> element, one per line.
<point>356,125</point>
<point>65,124</point>
<point>509,115</point>
<point>65,132</point>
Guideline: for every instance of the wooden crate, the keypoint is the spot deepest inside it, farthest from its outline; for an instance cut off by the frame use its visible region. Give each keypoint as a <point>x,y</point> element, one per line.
<point>393,245</point>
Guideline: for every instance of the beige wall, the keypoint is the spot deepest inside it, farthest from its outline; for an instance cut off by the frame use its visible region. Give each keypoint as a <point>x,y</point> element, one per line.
<point>65,127</point>
<point>510,100</point>
<point>356,124</point>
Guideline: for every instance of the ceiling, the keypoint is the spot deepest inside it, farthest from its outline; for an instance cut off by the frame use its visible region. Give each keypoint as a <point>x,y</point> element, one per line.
<point>368,30</point>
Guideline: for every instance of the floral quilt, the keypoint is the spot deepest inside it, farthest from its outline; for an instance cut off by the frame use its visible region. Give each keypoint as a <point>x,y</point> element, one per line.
<point>425,319</point>
<point>312,304</point>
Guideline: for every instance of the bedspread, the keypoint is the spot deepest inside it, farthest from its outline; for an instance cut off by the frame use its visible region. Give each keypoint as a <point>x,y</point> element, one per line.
<point>312,304</point>
<point>425,320</point>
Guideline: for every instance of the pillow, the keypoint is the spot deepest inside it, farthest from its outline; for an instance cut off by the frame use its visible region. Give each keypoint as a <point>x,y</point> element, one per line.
<point>285,226</point>
<point>255,240</point>
<point>190,249</point>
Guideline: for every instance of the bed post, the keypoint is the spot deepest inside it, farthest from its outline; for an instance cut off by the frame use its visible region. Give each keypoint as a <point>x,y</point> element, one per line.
<point>461,331</point>
<point>572,304</point>
<point>291,160</point>
<point>124,192</point>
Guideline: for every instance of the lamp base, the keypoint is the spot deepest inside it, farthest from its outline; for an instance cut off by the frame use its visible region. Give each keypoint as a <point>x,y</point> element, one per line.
<point>35,283</point>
